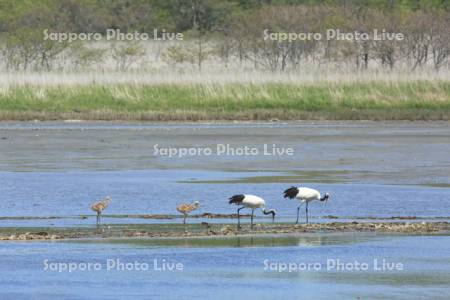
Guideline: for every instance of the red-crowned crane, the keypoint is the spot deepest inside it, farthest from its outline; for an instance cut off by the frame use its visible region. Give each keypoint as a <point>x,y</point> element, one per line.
<point>253,202</point>
<point>304,195</point>
<point>100,206</point>
<point>186,208</point>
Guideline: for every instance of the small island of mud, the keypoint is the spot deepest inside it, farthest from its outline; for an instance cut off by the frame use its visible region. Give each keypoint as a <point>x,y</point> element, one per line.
<point>205,229</point>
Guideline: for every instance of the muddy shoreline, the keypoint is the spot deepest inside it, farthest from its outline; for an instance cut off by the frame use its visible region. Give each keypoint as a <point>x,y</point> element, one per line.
<point>205,229</point>
<point>209,215</point>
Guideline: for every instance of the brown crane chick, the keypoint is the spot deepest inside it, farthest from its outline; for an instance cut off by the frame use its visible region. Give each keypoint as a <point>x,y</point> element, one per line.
<point>100,206</point>
<point>186,208</point>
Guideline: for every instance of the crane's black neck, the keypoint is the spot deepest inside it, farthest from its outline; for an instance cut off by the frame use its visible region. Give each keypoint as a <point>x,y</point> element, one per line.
<point>269,212</point>
<point>325,197</point>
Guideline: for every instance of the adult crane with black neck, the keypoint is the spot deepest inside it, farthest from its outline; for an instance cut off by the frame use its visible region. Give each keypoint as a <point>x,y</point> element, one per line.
<point>304,195</point>
<point>253,202</point>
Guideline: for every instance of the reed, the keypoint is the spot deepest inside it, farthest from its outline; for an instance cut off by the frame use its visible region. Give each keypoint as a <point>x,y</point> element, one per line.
<point>334,100</point>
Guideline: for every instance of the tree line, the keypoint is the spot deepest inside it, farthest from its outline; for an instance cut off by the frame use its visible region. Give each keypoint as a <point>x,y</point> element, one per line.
<point>229,31</point>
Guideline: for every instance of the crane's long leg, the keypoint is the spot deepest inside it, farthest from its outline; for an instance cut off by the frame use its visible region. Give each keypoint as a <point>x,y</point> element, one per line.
<point>184,222</point>
<point>251,223</point>
<point>98,218</point>
<point>239,220</point>
<point>306,212</point>
<point>298,213</point>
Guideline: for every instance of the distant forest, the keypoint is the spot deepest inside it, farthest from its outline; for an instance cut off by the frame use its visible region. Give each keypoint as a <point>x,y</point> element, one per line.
<point>228,31</point>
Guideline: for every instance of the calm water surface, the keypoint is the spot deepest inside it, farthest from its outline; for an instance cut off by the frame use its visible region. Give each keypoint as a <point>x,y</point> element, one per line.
<point>236,269</point>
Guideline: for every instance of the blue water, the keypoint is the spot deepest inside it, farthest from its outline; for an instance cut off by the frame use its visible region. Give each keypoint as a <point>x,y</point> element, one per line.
<point>230,271</point>
<point>69,194</point>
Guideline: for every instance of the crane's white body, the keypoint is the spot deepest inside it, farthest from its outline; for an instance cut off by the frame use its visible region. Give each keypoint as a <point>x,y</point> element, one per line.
<point>253,202</point>
<point>307,195</point>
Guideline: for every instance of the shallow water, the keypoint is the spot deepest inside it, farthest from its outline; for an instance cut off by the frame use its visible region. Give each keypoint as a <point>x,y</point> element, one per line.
<point>377,170</point>
<point>235,267</point>
<point>371,169</point>
<point>68,194</point>
<point>406,153</point>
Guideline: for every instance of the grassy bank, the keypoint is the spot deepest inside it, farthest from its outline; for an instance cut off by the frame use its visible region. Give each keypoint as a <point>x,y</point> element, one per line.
<point>411,100</point>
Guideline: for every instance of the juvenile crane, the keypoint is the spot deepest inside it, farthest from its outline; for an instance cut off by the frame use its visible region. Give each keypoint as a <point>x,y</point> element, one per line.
<point>304,195</point>
<point>253,202</point>
<point>186,208</point>
<point>100,206</point>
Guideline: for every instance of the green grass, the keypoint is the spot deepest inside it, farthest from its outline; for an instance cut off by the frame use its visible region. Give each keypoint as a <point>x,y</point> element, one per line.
<point>412,100</point>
